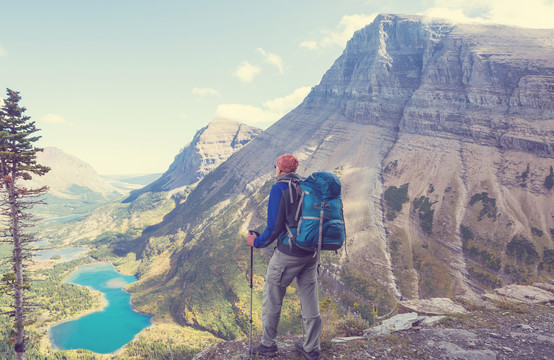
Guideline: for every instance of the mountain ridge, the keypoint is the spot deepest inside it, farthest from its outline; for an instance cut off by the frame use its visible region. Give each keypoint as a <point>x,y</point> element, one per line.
<point>426,215</point>
<point>74,185</point>
<point>209,147</point>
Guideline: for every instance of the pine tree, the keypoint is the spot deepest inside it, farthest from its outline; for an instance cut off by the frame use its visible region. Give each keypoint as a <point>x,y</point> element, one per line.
<point>17,163</point>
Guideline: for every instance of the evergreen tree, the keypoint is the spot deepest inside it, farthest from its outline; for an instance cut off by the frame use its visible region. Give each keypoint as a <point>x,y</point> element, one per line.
<point>17,163</point>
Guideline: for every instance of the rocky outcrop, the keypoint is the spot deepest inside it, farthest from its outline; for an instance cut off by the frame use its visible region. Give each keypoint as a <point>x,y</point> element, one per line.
<point>211,146</point>
<point>520,332</point>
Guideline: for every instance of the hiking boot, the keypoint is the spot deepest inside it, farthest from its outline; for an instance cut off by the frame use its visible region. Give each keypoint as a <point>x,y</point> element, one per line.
<point>262,350</point>
<point>312,355</point>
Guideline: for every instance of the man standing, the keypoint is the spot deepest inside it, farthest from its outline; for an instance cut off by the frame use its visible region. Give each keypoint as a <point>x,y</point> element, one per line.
<point>287,263</point>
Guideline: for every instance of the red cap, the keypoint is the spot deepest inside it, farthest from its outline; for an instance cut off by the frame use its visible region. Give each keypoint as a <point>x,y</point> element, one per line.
<point>287,163</point>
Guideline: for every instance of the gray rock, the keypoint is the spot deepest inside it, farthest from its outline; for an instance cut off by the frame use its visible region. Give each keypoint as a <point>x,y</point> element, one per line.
<point>524,327</point>
<point>461,334</point>
<point>545,286</point>
<point>429,320</point>
<point>434,306</point>
<point>348,339</point>
<point>472,355</point>
<point>396,323</point>
<point>526,294</point>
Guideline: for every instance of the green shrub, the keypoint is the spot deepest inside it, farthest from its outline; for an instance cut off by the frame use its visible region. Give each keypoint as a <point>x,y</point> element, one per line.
<point>522,249</point>
<point>484,277</point>
<point>523,177</point>
<point>396,197</point>
<point>537,232</point>
<point>519,274</point>
<point>548,260</point>
<point>422,205</point>
<point>489,205</point>
<point>467,234</point>
<point>350,325</point>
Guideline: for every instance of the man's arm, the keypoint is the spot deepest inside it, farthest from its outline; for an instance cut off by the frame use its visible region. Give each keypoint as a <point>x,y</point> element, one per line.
<point>271,232</point>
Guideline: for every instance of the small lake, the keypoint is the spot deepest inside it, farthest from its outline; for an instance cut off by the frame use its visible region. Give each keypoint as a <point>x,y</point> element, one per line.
<point>65,218</point>
<point>108,330</point>
<point>67,254</point>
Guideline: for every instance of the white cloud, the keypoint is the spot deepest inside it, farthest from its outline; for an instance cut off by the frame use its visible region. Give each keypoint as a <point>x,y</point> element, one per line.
<point>271,110</point>
<point>310,44</point>
<point>272,59</point>
<point>246,113</point>
<point>285,104</point>
<point>533,13</point>
<point>54,119</point>
<point>2,51</point>
<point>246,72</point>
<point>205,92</point>
<point>455,15</point>
<point>344,31</point>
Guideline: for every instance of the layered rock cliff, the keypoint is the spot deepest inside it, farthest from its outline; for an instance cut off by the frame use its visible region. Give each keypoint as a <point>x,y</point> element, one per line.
<point>442,136</point>
<point>210,146</point>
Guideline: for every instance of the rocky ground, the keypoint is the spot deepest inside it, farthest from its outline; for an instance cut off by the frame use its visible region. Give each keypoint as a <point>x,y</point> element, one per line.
<point>493,329</point>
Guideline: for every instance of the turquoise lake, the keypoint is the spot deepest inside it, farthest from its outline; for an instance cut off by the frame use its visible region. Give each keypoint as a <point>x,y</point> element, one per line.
<point>110,329</point>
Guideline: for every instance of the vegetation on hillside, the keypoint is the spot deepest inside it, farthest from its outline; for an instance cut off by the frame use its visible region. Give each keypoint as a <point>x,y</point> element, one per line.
<point>395,197</point>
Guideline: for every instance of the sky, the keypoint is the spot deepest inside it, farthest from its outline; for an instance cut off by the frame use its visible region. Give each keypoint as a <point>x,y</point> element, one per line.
<point>125,84</point>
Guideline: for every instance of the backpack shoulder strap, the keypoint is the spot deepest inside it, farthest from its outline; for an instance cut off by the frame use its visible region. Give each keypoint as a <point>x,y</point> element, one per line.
<point>293,183</point>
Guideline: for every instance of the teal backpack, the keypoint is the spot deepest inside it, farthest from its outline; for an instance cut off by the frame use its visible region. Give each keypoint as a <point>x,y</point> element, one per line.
<point>319,214</point>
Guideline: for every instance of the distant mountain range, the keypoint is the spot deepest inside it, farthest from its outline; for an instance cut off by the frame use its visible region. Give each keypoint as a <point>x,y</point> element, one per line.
<point>443,138</point>
<point>74,186</point>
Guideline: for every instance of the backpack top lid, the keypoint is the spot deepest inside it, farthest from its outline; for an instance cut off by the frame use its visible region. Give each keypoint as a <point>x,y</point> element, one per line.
<point>327,183</point>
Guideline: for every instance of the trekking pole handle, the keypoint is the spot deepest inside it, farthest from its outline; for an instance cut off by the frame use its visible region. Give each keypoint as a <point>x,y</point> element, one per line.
<point>252,232</point>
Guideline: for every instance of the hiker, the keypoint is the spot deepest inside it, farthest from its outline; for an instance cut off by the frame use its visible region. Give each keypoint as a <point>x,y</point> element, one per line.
<point>287,263</point>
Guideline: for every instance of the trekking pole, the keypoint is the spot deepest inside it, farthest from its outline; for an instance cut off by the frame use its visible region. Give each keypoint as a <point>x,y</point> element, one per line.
<point>251,232</point>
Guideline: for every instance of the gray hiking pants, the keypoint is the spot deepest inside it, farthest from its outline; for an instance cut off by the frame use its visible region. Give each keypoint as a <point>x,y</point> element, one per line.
<point>282,269</point>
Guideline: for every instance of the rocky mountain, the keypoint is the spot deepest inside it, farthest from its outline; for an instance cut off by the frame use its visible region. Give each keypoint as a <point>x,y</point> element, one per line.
<point>210,146</point>
<point>74,186</point>
<point>443,137</point>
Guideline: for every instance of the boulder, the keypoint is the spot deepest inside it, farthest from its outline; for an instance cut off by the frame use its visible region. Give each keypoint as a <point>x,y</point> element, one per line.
<point>396,323</point>
<point>430,320</point>
<point>545,286</point>
<point>348,339</point>
<point>434,306</point>
<point>526,294</point>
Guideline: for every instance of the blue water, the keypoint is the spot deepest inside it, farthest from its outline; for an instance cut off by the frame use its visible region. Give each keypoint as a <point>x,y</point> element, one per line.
<point>65,218</point>
<point>110,329</point>
<point>67,254</point>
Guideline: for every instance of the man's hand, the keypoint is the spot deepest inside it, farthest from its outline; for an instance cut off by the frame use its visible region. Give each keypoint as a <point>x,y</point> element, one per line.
<point>250,240</point>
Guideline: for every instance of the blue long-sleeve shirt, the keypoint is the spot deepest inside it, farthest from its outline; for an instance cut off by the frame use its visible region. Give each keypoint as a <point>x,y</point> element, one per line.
<point>272,213</point>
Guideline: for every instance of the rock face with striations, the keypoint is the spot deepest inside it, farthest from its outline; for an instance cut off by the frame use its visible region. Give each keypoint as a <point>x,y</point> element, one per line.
<point>210,146</point>
<point>442,136</point>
